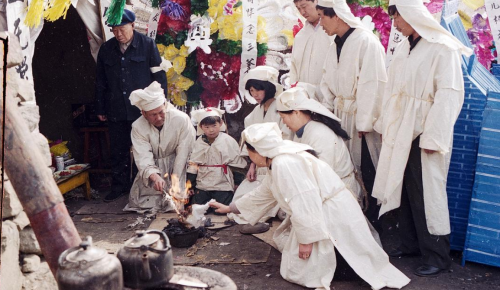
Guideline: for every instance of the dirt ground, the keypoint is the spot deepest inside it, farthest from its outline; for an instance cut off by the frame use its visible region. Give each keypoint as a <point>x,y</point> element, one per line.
<point>109,227</point>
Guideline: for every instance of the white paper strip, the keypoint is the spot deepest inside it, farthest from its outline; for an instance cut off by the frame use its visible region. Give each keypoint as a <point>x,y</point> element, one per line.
<point>394,39</point>
<point>248,43</point>
<point>153,23</point>
<point>16,13</point>
<point>493,10</point>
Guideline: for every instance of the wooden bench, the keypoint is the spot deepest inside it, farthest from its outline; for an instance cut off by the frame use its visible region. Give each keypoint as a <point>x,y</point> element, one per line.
<point>71,182</point>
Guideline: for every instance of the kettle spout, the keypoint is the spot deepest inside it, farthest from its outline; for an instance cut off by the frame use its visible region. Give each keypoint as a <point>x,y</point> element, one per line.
<point>146,271</point>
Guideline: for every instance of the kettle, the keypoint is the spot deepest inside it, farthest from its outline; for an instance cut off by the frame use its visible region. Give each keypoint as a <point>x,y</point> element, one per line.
<point>147,260</point>
<point>87,267</point>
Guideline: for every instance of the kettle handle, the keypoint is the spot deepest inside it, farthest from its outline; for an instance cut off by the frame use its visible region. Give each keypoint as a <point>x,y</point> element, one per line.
<point>84,244</point>
<point>165,240</point>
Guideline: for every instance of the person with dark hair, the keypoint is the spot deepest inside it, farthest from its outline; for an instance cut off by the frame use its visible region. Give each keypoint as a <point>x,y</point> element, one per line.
<point>127,62</point>
<point>162,139</point>
<point>316,126</point>
<point>214,155</point>
<point>262,85</point>
<point>309,46</point>
<point>321,214</point>
<point>353,81</point>
<point>422,101</point>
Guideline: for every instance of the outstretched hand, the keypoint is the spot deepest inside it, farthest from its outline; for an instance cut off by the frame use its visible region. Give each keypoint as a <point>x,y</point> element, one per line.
<point>219,207</point>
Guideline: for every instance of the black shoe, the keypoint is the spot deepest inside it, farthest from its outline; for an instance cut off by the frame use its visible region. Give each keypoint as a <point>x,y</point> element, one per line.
<point>397,253</point>
<point>427,271</point>
<point>114,195</point>
<point>258,228</point>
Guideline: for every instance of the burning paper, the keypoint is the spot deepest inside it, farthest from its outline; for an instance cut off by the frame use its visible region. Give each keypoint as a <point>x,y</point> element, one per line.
<point>197,217</point>
<point>176,197</point>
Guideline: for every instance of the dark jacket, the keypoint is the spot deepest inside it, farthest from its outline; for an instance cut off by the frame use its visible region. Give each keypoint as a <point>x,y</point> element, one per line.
<point>119,74</point>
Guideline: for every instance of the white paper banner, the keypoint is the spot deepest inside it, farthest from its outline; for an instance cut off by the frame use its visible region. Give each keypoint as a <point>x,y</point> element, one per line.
<point>493,10</point>
<point>16,13</point>
<point>394,40</point>
<point>248,43</point>
<point>153,23</point>
<point>451,8</point>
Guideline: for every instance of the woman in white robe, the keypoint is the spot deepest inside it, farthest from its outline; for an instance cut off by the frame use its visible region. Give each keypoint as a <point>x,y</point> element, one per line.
<point>316,126</point>
<point>262,85</point>
<point>321,214</point>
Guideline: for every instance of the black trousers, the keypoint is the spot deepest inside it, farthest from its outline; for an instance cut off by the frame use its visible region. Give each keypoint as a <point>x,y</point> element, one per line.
<point>120,141</point>
<point>368,174</point>
<point>204,196</point>
<point>413,230</point>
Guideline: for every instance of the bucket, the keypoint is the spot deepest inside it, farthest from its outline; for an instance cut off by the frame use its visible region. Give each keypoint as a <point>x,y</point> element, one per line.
<point>183,240</point>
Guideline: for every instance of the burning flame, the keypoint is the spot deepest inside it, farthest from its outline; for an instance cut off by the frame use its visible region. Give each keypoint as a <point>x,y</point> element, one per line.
<point>179,197</point>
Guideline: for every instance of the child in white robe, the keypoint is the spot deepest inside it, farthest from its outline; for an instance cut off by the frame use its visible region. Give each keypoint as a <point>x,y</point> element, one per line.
<point>213,155</point>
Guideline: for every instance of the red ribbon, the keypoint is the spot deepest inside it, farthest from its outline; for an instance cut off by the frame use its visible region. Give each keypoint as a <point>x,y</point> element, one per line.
<point>223,166</point>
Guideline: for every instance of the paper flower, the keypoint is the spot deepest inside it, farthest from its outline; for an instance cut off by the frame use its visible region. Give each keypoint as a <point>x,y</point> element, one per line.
<point>297,27</point>
<point>480,36</point>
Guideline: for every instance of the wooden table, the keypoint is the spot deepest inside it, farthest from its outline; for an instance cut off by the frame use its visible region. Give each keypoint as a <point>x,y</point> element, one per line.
<point>71,182</point>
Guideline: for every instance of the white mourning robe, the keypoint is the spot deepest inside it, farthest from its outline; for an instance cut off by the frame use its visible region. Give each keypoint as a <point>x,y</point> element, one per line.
<point>352,88</point>
<point>163,152</point>
<point>333,150</point>
<point>322,211</point>
<point>256,117</point>
<point>308,54</point>
<point>224,150</point>
<point>423,98</point>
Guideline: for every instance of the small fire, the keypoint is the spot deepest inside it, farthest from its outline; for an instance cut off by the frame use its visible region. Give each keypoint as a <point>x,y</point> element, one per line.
<point>180,197</point>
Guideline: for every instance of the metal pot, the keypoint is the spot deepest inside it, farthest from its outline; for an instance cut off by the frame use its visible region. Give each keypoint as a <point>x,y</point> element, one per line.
<point>147,260</point>
<point>87,267</point>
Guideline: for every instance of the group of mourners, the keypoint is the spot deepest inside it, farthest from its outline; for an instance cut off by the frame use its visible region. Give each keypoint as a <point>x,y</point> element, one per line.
<point>349,142</point>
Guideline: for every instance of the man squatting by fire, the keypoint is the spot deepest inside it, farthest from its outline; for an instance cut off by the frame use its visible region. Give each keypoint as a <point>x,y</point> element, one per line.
<point>162,139</point>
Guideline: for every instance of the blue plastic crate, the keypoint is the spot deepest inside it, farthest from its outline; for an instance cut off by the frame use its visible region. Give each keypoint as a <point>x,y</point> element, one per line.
<point>482,243</point>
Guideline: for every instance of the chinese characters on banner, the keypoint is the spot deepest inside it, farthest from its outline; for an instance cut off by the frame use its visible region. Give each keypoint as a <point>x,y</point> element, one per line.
<point>16,13</point>
<point>394,40</point>
<point>153,23</point>
<point>493,10</point>
<point>248,43</point>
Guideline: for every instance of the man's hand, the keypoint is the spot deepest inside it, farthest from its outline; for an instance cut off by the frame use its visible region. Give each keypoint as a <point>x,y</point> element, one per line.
<point>102,118</point>
<point>220,208</point>
<point>305,251</point>
<point>429,151</point>
<point>251,175</point>
<point>361,134</point>
<point>158,182</point>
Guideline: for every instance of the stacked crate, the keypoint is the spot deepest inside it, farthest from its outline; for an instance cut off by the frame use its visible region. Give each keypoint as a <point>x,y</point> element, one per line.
<point>478,82</point>
<point>482,243</point>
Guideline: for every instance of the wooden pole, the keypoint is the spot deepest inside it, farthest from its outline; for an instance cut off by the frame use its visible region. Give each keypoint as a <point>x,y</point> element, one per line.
<point>37,191</point>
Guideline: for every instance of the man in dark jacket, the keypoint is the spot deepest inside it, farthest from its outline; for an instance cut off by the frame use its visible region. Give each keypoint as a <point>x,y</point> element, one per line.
<point>125,63</point>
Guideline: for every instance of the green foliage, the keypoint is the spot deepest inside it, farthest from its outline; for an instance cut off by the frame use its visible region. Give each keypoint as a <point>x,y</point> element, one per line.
<point>230,47</point>
<point>177,39</point>
<point>194,93</point>
<point>199,7</point>
<point>191,70</point>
